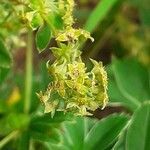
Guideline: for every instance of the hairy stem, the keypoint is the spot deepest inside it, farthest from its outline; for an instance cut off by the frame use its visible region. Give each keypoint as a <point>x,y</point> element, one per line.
<point>28,75</point>
<point>8,138</point>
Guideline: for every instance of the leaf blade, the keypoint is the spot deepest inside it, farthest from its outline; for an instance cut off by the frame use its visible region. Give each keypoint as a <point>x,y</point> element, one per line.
<point>129,80</point>
<point>138,134</point>
<point>99,14</point>
<point>105,138</point>
<point>43,37</point>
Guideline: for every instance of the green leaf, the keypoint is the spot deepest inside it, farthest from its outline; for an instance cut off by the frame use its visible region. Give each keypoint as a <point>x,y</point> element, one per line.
<point>105,132</point>
<point>129,83</point>
<point>44,128</point>
<point>36,21</point>
<point>5,59</point>
<point>58,22</point>
<point>13,122</point>
<point>47,119</point>
<point>138,134</point>
<point>116,96</point>
<point>51,136</point>
<point>73,134</point>
<point>43,37</point>
<point>24,141</point>
<point>90,134</point>
<point>99,14</point>
<point>72,131</point>
<point>120,144</point>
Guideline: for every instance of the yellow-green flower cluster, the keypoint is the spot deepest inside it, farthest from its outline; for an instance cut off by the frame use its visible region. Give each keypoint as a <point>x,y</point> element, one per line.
<point>73,88</point>
<point>68,19</point>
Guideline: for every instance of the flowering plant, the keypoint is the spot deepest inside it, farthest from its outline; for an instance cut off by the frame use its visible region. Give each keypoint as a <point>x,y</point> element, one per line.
<point>72,88</point>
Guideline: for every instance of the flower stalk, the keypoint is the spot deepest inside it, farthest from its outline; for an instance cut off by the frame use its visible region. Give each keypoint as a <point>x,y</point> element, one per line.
<point>8,138</point>
<point>28,74</point>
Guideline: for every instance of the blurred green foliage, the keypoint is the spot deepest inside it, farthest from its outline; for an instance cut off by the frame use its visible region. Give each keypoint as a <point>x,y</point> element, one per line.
<point>122,41</point>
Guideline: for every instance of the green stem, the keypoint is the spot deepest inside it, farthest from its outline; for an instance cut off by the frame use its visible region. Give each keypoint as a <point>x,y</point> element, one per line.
<point>9,137</point>
<point>28,75</point>
<point>31,145</point>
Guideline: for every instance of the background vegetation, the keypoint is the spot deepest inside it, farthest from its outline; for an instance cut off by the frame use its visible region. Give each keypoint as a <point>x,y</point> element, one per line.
<point>121,30</point>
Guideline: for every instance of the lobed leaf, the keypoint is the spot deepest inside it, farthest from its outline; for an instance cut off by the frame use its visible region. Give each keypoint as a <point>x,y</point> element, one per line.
<point>120,144</point>
<point>90,134</point>
<point>138,134</point>
<point>105,131</point>
<point>128,83</point>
